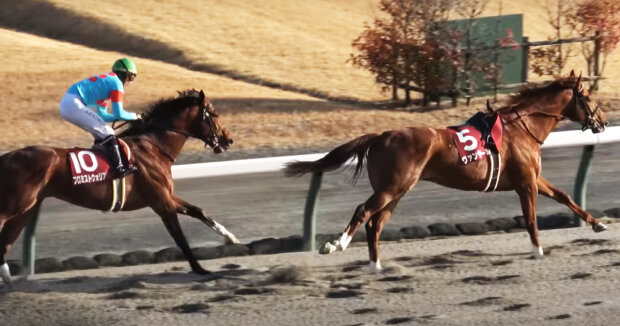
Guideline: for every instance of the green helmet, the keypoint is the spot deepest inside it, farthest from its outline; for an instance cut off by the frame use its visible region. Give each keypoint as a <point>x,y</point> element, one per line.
<point>125,65</point>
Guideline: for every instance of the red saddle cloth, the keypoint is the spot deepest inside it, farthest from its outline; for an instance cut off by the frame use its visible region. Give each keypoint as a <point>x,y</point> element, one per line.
<point>90,165</point>
<point>477,137</point>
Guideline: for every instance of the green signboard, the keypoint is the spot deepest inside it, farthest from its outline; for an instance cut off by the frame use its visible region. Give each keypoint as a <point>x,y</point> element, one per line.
<point>481,35</point>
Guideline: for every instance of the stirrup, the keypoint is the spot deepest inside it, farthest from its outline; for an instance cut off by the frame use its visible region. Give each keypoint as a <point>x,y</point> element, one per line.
<point>131,169</point>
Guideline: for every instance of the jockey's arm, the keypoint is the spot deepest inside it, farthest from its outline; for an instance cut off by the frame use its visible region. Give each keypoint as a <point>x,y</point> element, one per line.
<point>118,113</point>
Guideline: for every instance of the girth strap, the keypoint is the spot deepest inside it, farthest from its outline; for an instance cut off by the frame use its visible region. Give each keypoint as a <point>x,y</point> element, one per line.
<point>495,165</point>
<point>118,194</point>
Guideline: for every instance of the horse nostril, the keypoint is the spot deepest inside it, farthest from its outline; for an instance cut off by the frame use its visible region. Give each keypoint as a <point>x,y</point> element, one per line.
<point>230,141</point>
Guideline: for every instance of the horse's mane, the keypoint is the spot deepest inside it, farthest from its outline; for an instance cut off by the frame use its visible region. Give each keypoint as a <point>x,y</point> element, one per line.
<point>533,91</point>
<point>161,112</point>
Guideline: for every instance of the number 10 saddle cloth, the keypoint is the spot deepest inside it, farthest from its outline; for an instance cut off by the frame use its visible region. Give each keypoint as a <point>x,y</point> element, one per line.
<point>91,166</point>
<point>480,137</point>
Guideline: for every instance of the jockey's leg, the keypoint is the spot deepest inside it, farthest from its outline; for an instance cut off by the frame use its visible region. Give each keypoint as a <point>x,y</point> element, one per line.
<point>117,163</point>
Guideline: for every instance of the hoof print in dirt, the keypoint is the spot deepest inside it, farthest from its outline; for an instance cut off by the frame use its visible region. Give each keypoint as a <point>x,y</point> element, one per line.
<point>123,295</point>
<point>589,242</point>
<point>395,278</point>
<point>252,291</point>
<point>343,294</point>
<point>592,303</point>
<point>517,307</point>
<point>487,301</point>
<point>221,298</point>
<point>562,316</point>
<point>146,307</point>
<point>351,268</point>
<point>501,262</point>
<point>134,283</point>
<point>606,251</point>
<point>488,280</point>
<point>363,311</point>
<point>400,290</point>
<point>190,308</point>
<point>580,276</point>
<point>399,320</point>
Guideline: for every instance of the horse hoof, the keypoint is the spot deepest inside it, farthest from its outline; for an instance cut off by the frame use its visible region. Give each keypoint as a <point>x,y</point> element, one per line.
<point>327,249</point>
<point>5,273</point>
<point>599,227</point>
<point>538,253</point>
<point>375,267</point>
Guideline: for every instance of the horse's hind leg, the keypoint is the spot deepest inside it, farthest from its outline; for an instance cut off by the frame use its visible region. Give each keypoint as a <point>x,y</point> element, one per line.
<point>374,226</point>
<point>547,189</point>
<point>375,203</point>
<point>9,234</point>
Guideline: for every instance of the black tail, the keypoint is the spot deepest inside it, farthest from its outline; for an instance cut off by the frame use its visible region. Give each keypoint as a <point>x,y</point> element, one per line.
<point>337,157</point>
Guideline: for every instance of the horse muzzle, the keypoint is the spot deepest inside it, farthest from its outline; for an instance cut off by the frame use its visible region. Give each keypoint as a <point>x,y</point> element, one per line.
<point>221,146</point>
<point>598,128</point>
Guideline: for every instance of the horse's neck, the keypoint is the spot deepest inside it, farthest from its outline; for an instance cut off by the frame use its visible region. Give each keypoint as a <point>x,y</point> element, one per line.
<point>169,141</point>
<point>541,117</point>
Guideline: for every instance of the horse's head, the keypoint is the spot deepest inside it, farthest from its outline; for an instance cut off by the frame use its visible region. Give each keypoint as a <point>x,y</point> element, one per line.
<point>582,108</point>
<point>207,126</point>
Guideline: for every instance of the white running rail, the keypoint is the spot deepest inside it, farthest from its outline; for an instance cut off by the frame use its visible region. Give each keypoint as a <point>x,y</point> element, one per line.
<point>272,164</point>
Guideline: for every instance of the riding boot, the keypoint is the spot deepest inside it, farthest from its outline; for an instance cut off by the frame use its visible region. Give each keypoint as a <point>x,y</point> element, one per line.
<point>117,166</point>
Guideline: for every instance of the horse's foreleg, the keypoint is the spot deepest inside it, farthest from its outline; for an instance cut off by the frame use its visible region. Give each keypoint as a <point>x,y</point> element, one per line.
<point>363,212</point>
<point>528,195</point>
<point>186,208</point>
<point>547,189</point>
<point>374,226</point>
<point>8,235</point>
<point>171,221</point>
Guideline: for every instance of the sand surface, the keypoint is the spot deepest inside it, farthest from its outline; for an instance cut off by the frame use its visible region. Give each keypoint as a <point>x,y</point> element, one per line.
<point>481,280</point>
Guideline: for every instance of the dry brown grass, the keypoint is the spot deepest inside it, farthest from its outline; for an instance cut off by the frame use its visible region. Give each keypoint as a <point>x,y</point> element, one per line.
<point>259,117</point>
<point>301,43</point>
<point>304,43</point>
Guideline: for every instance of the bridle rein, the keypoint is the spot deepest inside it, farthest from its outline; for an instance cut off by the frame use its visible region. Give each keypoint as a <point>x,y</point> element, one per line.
<point>211,140</point>
<point>588,123</point>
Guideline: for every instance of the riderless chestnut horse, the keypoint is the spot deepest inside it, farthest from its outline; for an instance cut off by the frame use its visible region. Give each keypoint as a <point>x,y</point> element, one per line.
<point>30,174</point>
<point>398,159</point>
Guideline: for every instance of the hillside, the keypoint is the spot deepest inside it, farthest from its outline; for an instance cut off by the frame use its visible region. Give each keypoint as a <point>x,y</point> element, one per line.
<point>175,43</point>
<point>259,117</point>
<point>302,43</point>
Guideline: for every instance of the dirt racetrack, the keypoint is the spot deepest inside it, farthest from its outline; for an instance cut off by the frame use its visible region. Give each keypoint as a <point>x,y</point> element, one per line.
<point>481,280</point>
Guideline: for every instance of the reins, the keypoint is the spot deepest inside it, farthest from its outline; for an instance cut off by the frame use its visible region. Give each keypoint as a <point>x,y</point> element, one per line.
<point>520,117</point>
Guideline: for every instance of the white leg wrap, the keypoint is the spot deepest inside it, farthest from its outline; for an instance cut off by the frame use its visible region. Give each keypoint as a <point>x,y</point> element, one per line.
<point>375,267</point>
<point>327,248</point>
<point>538,253</point>
<point>222,230</point>
<point>5,273</point>
<point>344,241</point>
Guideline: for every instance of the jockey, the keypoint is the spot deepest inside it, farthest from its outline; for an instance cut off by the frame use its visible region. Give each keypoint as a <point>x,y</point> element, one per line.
<point>96,92</point>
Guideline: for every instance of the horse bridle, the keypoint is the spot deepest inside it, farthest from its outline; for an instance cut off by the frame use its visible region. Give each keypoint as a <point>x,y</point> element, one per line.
<point>211,140</point>
<point>590,120</point>
<point>588,123</point>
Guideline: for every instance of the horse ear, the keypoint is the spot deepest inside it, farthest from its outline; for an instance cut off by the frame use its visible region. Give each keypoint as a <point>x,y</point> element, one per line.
<point>578,85</point>
<point>202,95</point>
<point>572,73</point>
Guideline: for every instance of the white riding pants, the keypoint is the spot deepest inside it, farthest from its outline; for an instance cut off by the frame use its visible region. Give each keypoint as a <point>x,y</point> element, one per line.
<point>73,110</point>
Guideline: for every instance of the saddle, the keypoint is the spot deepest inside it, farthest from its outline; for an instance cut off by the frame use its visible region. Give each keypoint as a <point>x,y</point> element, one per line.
<point>90,165</point>
<point>479,137</point>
